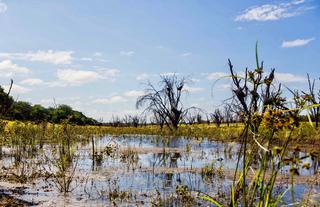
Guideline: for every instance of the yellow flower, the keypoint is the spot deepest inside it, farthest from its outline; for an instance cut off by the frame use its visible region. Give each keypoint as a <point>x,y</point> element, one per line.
<point>294,170</point>
<point>306,166</point>
<point>277,150</point>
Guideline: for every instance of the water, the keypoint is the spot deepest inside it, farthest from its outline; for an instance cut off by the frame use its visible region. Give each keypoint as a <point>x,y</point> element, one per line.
<point>136,170</point>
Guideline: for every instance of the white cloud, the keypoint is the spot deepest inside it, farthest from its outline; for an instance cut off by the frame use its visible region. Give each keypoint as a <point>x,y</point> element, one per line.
<point>145,76</point>
<point>76,77</point>
<point>86,59</point>
<point>111,100</point>
<point>74,101</point>
<point>289,77</point>
<point>7,68</point>
<point>134,93</point>
<point>186,54</point>
<point>193,89</point>
<point>58,84</point>
<point>3,7</point>
<point>50,56</point>
<point>97,54</point>
<point>271,12</point>
<point>79,77</point>
<point>127,53</point>
<point>110,74</point>
<point>32,82</point>
<point>216,75</point>
<point>296,43</point>
<point>142,76</point>
<point>47,102</point>
<point>58,57</point>
<point>195,80</point>
<point>169,74</point>
<point>223,87</point>
<point>17,89</point>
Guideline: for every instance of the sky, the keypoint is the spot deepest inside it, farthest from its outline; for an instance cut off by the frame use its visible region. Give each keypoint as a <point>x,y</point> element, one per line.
<point>97,55</point>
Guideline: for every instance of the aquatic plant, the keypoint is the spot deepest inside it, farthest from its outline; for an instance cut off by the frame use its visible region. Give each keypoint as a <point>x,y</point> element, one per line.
<point>265,114</point>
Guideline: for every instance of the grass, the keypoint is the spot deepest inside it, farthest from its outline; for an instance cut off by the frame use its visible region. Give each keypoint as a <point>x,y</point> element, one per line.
<point>16,131</point>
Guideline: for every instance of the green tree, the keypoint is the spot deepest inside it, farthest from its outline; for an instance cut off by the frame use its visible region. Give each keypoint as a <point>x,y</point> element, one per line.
<point>60,113</point>
<point>20,110</point>
<point>5,102</point>
<point>23,111</point>
<point>39,113</point>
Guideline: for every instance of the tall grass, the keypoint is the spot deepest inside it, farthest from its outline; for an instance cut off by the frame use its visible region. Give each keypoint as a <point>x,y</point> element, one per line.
<point>266,116</point>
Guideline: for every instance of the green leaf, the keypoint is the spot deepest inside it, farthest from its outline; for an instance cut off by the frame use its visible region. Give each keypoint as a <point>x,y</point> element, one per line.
<point>280,196</point>
<point>233,196</point>
<point>309,119</point>
<point>210,199</point>
<point>260,145</point>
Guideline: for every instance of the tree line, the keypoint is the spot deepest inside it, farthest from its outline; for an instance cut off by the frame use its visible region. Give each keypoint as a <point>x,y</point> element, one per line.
<point>24,111</point>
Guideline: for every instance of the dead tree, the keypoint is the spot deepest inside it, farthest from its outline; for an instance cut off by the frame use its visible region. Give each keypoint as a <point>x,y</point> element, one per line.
<point>207,118</point>
<point>116,121</point>
<point>126,120</point>
<point>135,120</point>
<point>159,118</point>
<point>190,118</point>
<point>165,101</point>
<point>217,117</point>
<point>227,114</point>
<point>194,115</point>
<point>199,118</point>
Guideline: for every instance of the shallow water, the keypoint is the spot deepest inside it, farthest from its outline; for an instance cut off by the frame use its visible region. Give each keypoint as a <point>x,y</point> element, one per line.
<point>138,168</point>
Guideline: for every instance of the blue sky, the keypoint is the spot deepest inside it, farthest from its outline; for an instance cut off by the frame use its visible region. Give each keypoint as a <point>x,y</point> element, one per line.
<point>95,55</point>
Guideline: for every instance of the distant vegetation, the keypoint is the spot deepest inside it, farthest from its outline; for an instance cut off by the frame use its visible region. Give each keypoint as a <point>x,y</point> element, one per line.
<point>24,111</point>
